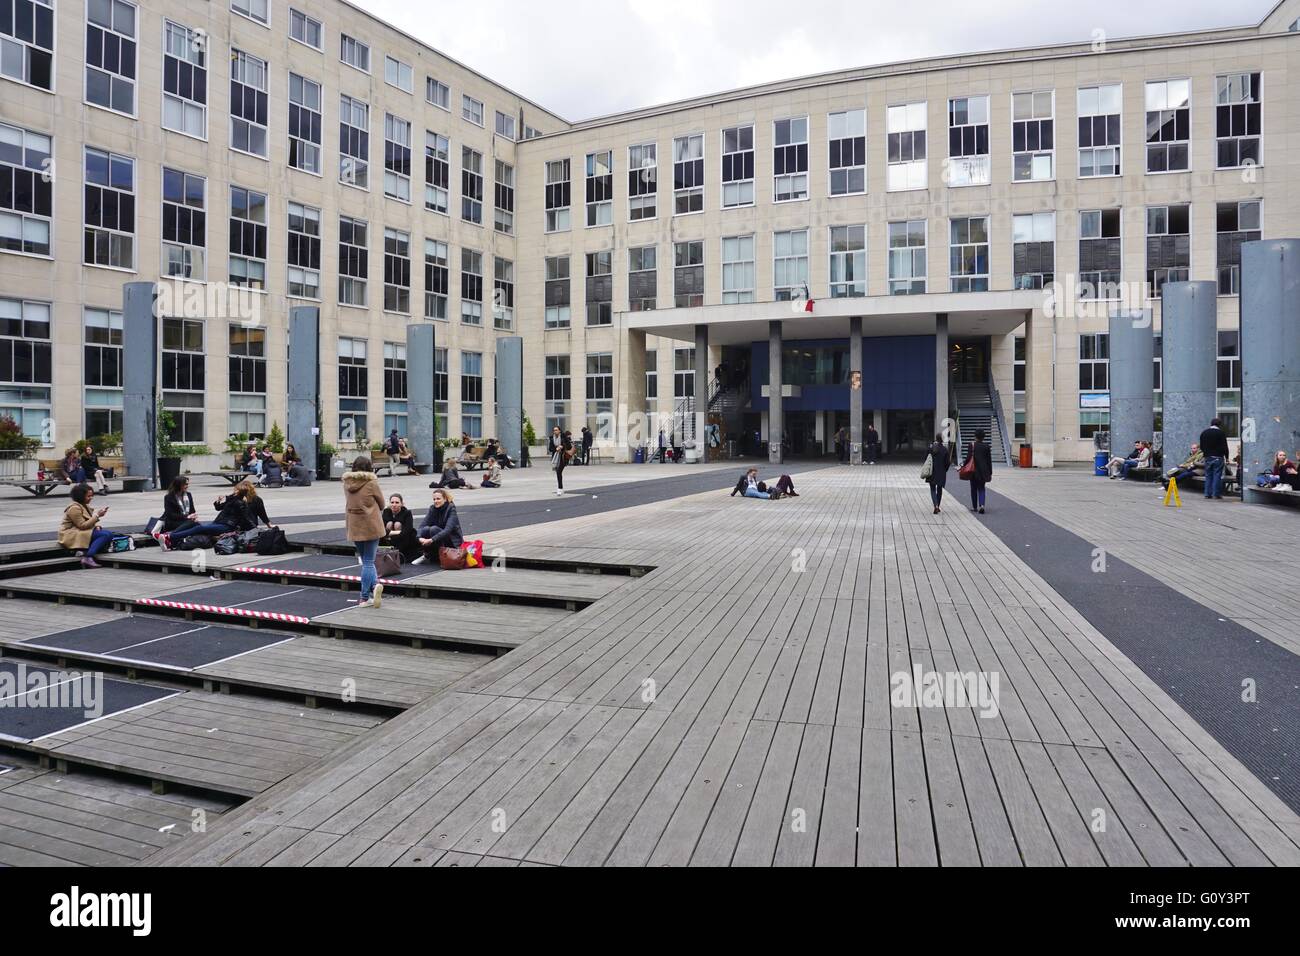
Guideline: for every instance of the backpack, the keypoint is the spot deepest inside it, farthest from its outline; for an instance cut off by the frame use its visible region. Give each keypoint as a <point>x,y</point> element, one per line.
<point>272,541</point>
<point>247,542</point>
<point>227,544</point>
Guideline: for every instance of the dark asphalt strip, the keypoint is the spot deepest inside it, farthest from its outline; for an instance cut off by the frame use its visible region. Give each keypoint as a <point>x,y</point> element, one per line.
<point>1199,658</point>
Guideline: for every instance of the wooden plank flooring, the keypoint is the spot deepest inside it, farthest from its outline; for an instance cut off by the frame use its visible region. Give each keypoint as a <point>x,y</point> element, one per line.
<point>733,707</point>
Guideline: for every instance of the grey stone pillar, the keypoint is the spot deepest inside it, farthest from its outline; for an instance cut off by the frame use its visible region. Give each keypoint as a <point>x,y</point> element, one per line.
<point>855,394</point>
<point>1132,399</point>
<point>421,425</point>
<point>1189,372</point>
<point>1270,352</point>
<point>510,395</point>
<point>304,382</point>
<point>702,389</point>
<point>775,420</point>
<point>942,425</point>
<point>139,379</point>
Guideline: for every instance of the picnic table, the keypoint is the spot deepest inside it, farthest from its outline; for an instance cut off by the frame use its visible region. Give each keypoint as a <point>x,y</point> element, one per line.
<point>40,487</point>
<point>232,475</point>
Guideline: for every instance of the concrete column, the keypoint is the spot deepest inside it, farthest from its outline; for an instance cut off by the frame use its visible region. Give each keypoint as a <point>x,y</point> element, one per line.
<point>855,394</point>
<point>636,425</point>
<point>1270,352</point>
<point>421,427</point>
<point>510,394</point>
<point>775,419</point>
<point>1132,399</point>
<point>1040,387</point>
<point>1189,368</point>
<point>942,424</point>
<point>304,382</point>
<point>139,379</point>
<point>701,389</point>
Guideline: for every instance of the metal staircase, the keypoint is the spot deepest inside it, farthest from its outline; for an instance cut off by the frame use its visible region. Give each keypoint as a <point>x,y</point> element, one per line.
<point>976,410</point>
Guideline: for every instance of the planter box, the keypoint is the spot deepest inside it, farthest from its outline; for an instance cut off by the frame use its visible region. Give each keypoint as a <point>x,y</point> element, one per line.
<point>196,463</point>
<point>14,463</point>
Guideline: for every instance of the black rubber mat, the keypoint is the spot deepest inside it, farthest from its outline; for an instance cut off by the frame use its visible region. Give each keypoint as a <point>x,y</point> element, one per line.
<point>160,641</point>
<point>1198,657</point>
<point>24,716</point>
<point>303,600</point>
<point>329,564</point>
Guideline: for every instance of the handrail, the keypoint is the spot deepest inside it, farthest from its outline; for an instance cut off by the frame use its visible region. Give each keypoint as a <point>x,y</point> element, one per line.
<point>1000,418</point>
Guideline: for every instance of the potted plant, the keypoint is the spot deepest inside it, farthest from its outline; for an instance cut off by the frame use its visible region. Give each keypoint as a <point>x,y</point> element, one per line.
<point>167,453</point>
<point>15,448</point>
<point>325,453</point>
<point>275,439</point>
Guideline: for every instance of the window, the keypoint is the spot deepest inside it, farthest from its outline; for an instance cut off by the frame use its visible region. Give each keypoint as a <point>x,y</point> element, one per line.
<point>306,29</point>
<point>600,288</point>
<point>1237,120</point>
<point>184,377</point>
<point>600,394</point>
<point>557,195</point>
<point>395,388</point>
<point>109,210</point>
<point>1235,223</point>
<point>503,295</point>
<point>185,81</point>
<point>530,132</point>
<point>688,174</point>
<point>1018,386</point>
<point>437,172</point>
<point>907,261</point>
<point>1100,125</point>
<point>557,292</point>
<point>304,124</point>
<point>471,287</point>
<point>684,372</point>
<point>789,264</point>
<point>471,109</point>
<point>354,389</point>
<point>26,190</point>
<point>848,268</point>
<point>354,53</point>
<point>968,141</point>
<point>1228,393</point>
<point>247,380</point>
<point>471,393</point>
<point>790,160</point>
<point>397,158</point>
<point>253,9</point>
<point>688,274</point>
<point>25,364</point>
<point>439,94</point>
<point>248,236</point>
<point>440,391</point>
<point>651,374</point>
<point>642,181</point>
<point>436,281</point>
<point>1169,246</point>
<point>248,104</point>
<point>398,74</point>
<point>397,271</point>
<point>738,166</point>
<point>738,271</point>
<point>1033,136</point>
<point>642,278</point>
<point>1094,363</point>
<point>1033,253</point>
<point>905,148</point>
<point>557,392</point>
<point>101,367</point>
<point>503,199</point>
<point>27,42</point>
<point>354,142</point>
<point>848,152</point>
<point>1100,254</point>
<point>505,125</point>
<point>110,55</point>
<point>600,188</point>
<point>1169,125</point>
<point>471,185</point>
<point>969,254</point>
<point>354,266</point>
<point>304,251</point>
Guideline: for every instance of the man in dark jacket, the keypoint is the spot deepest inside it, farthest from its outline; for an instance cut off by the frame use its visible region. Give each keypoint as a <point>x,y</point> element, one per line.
<point>983,456</point>
<point>587,439</point>
<point>938,477</point>
<point>872,441</point>
<point>1214,445</point>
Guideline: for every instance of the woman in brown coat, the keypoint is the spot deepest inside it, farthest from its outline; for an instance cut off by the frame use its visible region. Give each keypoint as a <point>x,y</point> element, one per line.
<point>80,530</point>
<point>365,507</point>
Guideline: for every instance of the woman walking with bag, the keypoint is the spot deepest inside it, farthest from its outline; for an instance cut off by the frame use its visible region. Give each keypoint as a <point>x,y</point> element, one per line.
<point>365,505</point>
<point>561,447</point>
<point>938,476</point>
<point>977,469</point>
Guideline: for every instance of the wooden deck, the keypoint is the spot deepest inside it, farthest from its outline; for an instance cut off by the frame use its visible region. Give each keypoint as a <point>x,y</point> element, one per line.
<point>733,707</point>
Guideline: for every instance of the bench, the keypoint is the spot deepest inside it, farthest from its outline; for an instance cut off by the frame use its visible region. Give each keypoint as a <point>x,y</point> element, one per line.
<point>381,459</point>
<point>53,468</point>
<point>471,457</point>
<point>38,487</point>
<point>1273,496</point>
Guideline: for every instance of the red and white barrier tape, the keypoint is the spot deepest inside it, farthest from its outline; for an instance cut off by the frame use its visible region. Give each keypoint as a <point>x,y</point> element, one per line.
<point>327,575</point>
<point>233,611</point>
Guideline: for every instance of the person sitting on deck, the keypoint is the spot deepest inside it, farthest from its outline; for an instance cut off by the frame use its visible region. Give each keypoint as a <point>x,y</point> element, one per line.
<point>440,528</point>
<point>750,487</point>
<point>399,528</point>
<point>1191,466</point>
<point>241,510</point>
<point>1286,471</point>
<point>80,531</point>
<point>492,477</point>
<point>179,513</point>
<point>450,477</point>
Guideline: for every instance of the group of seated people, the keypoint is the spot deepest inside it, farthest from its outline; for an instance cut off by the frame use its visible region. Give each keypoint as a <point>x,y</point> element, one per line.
<point>1286,471</point>
<point>451,478</point>
<point>240,510</point>
<point>750,487</point>
<point>400,452</point>
<point>263,465</point>
<point>440,528</point>
<point>1139,457</point>
<point>83,466</point>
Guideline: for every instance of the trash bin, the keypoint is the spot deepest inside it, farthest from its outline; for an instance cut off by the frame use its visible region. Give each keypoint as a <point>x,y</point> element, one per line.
<point>1099,464</point>
<point>1026,456</point>
<point>639,457</point>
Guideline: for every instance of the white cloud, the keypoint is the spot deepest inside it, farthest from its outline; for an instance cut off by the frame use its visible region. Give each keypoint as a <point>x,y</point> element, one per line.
<point>584,58</point>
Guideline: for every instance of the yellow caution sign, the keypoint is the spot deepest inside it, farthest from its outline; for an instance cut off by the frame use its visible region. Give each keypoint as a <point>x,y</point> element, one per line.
<point>1172,492</point>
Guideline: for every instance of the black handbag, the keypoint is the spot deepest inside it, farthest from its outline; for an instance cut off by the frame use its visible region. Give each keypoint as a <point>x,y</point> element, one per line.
<point>272,541</point>
<point>227,544</point>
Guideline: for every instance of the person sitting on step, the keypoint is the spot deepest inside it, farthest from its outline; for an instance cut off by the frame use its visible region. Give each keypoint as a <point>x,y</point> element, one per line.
<point>399,528</point>
<point>80,531</point>
<point>440,528</point>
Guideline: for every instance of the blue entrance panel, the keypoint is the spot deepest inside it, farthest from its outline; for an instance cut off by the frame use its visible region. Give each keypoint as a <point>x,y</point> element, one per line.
<point>897,373</point>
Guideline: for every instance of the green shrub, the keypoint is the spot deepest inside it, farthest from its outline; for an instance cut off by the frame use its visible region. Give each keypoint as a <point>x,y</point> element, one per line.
<point>13,439</point>
<point>275,439</point>
<point>530,436</point>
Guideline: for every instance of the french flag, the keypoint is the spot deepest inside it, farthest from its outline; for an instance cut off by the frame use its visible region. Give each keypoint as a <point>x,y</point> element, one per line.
<point>807,298</point>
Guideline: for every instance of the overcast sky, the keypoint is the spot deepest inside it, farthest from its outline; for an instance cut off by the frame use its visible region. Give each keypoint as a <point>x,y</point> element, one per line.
<point>585,58</point>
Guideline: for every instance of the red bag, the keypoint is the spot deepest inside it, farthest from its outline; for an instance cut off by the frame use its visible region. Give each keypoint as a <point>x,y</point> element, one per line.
<point>967,471</point>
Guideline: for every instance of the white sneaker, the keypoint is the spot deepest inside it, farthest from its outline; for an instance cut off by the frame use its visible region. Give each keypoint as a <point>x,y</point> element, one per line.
<point>558,492</point>
<point>368,602</point>
<point>377,596</point>
<point>420,560</point>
